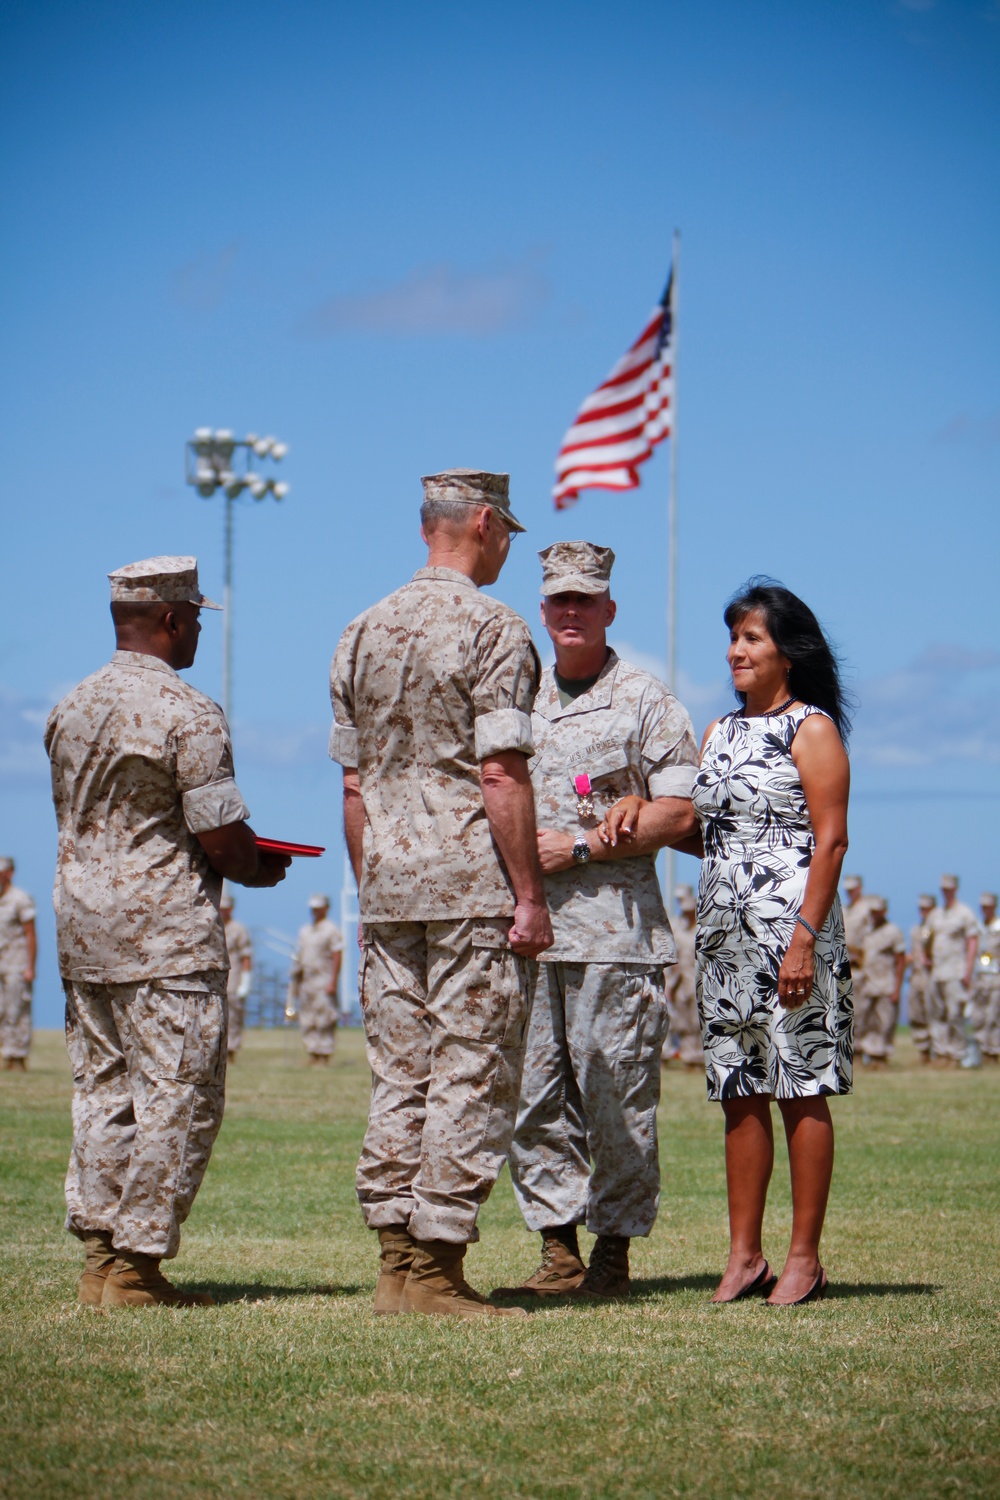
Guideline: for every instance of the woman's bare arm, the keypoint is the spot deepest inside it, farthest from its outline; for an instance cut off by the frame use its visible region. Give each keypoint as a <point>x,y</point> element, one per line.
<point>825,773</point>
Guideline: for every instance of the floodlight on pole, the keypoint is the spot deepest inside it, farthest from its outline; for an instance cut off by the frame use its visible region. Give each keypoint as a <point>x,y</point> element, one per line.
<point>214,459</point>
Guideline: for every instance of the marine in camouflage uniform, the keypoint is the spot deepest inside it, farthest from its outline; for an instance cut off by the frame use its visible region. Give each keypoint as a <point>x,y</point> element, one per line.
<point>142,779</point>
<point>876,1004</point>
<point>684,1040</point>
<point>432,690</point>
<point>314,976</point>
<point>953,939</point>
<point>985,1007</point>
<point>857,910</point>
<point>239,947</point>
<point>917,995</point>
<point>18,952</point>
<point>585,1147</point>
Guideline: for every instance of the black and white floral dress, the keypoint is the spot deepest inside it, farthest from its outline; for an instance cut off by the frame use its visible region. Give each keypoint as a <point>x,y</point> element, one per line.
<point>758,847</point>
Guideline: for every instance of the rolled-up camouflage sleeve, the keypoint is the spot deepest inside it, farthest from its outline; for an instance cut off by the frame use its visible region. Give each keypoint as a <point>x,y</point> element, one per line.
<point>507,678</point>
<point>667,745</point>
<point>344,732</point>
<point>205,778</point>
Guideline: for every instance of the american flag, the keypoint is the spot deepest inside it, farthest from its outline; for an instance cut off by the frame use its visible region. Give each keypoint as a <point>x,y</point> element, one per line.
<point>617,428</point>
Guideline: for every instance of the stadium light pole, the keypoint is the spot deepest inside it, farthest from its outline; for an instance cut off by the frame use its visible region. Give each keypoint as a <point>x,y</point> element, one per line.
<point>216,460</point>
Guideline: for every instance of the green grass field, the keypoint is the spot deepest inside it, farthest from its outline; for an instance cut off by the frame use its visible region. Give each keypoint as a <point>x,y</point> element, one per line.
<point>290,1387</point>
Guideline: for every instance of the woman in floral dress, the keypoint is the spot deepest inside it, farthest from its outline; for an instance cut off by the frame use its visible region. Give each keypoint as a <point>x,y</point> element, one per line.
<point>773,975</point>
<point>774,980</point>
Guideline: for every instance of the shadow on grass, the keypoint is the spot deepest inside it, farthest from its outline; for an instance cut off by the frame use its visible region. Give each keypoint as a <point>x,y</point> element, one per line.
<point>230,1291</point>
<point>882,1289</point>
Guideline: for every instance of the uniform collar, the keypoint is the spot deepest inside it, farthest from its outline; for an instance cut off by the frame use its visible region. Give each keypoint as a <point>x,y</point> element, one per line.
<point>599,696</point>
<point>446,575</point>
<point>141,659</point>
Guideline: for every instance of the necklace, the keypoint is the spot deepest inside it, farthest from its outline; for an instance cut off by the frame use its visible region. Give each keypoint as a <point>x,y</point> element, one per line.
<point>769,712</point>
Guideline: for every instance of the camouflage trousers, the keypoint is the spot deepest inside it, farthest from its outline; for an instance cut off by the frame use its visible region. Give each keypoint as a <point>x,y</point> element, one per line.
<point>918,1010</point>
<point>874,1022</point>
<point>984,1013</point>
<point>235,1010</point>
<point>445,1008</point>
<point>15,1013</point>
<point>685,1027</point>
<point>590,1091</point>
<point>947,1000</point>
<point>149,1073</point>
<point>317,1017</point>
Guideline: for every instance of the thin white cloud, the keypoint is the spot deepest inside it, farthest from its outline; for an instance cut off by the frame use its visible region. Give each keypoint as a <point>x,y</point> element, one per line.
<point>943,707</point>
<point>968,427</point>
<point>202,284</point>
<point>438,299</point>
<point>22,720</point>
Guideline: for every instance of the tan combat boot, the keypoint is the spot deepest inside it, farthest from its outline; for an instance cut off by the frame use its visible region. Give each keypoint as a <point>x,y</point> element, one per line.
<point>561,1269</point>
<point>607,1278</point>
<point>135,1281</point>
<point>436,1286</point>
<point>101,1256</point>
<point>397,1258</point>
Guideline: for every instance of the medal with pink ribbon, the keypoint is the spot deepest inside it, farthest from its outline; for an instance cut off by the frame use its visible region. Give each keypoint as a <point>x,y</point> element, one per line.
<point>584,796</point>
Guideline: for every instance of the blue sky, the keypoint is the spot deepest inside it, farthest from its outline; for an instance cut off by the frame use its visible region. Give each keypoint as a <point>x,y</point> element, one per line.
<point>406,236</point>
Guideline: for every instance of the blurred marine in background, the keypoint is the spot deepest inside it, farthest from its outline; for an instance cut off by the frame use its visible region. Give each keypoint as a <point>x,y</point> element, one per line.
<point>315,973</point>
<point>18,953</point>
<point>240,949</point>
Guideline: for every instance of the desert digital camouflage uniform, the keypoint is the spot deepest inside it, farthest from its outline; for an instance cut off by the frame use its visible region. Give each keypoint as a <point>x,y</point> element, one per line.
<point>141,762</point>
<point>857,925</point>
<point>312,967</point>
<point>592,1072</point>
<point>239,946</point>
<point>682,1001</point>
<point>875,1014</point>
<point>985,1007</point>
<point>425,685</point>
<point>917,995</point>
<point>949,929</point>
<point>16,909</point>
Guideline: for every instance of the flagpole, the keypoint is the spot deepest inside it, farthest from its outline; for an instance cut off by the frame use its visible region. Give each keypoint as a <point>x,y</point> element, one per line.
<point>672,521</point>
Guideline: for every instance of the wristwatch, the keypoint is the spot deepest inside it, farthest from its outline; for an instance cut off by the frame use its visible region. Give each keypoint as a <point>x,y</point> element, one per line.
<point>581,849</point>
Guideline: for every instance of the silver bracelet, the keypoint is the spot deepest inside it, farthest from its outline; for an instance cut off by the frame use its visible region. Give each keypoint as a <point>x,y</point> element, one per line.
<point>807,927</point>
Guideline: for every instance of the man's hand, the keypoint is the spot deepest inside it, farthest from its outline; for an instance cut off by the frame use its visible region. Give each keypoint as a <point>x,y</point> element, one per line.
<point>531,933</point>
<point>555,851</point>
<point>270,870</point>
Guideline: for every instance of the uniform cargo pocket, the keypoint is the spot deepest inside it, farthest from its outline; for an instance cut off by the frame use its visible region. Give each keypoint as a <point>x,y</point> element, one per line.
<point>181,1034</point>
<point>490,1000</point>
<point>644,1016</point>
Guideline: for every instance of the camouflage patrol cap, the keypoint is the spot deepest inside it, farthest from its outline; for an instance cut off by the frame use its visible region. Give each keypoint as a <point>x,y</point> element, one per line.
<point>472,487</point>
<point>576,568</point>
<point>949,882</point>
<point>926,899</point>
<point>159,580</point>
<point>988,898</point>
<point>318,903</point>
<point>6,865</point>
<point>684,896</point>
<point>878,903</point>
<point>852,882</point>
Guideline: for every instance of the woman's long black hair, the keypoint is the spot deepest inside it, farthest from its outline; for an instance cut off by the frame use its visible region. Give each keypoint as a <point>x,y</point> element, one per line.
<point>815,672</point>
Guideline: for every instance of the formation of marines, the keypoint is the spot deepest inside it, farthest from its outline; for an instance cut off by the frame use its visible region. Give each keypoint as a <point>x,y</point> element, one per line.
<point>519,977</point>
